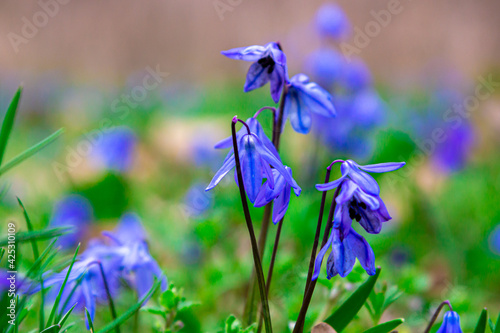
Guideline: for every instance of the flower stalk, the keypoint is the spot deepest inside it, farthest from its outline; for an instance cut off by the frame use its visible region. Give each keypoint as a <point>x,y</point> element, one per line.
<point>436,314</point>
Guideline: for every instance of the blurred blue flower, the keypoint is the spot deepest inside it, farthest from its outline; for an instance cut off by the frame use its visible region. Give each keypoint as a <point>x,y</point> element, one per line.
<point>197,201</point>
<point>280,194</point>
<point>326,65</point>
<point>269,66</point>
<point>72,210</point>
<point>256,160</point>
<point>332,22</point>
<point>138,267</point>
<point>303,99</point>
<point>453,154</point>
<point>494,240</point>
<point>356,76</point>
<point>346,247</point>
<point>85,284</point>
<point>4,283</point>
<point>451,323</point>
<point>115,150</point>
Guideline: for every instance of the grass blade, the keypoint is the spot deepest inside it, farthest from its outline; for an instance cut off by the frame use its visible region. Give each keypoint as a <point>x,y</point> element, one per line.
<point>59,295</point>
<point>386,327</point>
<point>346,312</point>
<point>66,316</point>
<point>30,151</point>
<point>8,122</point>
<point>91,324</point>
<point>130,312</point>
<point>52,329</point>
<point>481,323</point>
<point>38,235</point>
<point>497,325</point>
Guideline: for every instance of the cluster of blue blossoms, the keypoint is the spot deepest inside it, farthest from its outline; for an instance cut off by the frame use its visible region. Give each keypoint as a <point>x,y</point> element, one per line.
<point>125,260</point>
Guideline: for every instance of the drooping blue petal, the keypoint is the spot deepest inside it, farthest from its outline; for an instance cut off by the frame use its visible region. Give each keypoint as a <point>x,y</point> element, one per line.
<point>331,185</point>
<point>257,76</point>
<point>319,257</point>
<point>362,250</point>
<point>364,180</point>
<point>229,164</point>
<point>90,300</point>
<point>371,201</point>
<point>225,143</point>
<point>281,204</point>
<point>382,167</point>
<point>342,258</point>
<point>251,166</point>
<point>277,79</point>
<point>248,53</point>
<point>451,323</point>
<point>300,117</point>
<point>313,97</point>
<point>347,191</point>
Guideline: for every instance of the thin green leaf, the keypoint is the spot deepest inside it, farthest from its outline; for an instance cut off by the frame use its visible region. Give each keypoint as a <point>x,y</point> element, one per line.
<point>91,324</point>
<point>130,312</point>
<point>30,151</point>
<point>348,310</point>
<point>491,325</point>
<point>8,122</point>
<point>66,315</point>
<point>497,325</point>
<point>481,323</point>
<point>386,327</point>
<point>2,252</point>
<point>59,295</point>
<point>52,329</point>
<point>35,267</point>
<point>38,235</point>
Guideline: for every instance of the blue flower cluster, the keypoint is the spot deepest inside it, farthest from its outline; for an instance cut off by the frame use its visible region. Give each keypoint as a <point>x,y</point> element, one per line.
<point>358,199</point>
<point>124,257</point>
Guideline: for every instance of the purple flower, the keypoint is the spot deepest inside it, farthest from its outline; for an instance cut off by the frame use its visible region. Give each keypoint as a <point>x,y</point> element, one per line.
<point>115,150</point>
<point>357,173</point>
<point>280,194</point>
<point>356,76</point>
<point>346,247</point>
<point>332,22</point>
<point>72,210</point>
<point>326,66</point>
<point>269,66</point>
<point>304,98</point>
<point>256,160</point>
<point>138,267</point>
<point>452,154</point>
<point>197,201</point>
<point>451,323</point>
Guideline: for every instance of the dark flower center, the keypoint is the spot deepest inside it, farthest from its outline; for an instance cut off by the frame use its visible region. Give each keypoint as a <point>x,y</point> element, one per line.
<point>354,208</point>
<point>267,62</point>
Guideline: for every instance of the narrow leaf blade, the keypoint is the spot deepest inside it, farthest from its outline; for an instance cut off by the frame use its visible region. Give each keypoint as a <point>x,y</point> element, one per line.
<point>8,122</point>
<point>481,323</point>
<point>386,327</point>
<point>38,235</point>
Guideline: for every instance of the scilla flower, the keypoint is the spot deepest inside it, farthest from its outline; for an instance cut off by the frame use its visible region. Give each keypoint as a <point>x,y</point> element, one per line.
<point>332,22</point>
<point>115,150</point>
<point>280,194</point>
<point>269,66</point>
<point>451,323</point>
<point>304,98</point>
<point>256,160</point>
<point>346,247</point>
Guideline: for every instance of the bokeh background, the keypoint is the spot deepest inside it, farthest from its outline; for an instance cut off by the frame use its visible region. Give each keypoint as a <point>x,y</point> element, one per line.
<point>76,66</point>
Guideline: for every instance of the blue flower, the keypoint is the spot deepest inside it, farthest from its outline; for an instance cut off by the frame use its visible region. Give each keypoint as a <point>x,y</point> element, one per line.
<point>452,154</point>
<point>326,66</point>
<point>280,194</point>
<point>332,22</point>
<point>115,150</point>
<point>256,160</point>
<point>269,66</point>
<point>357,173</point>
<point>494,240</point>
<point>451,323</point>
<point>139,268</point>
<point>197,201</point>
<point>304,98</point>
<point>356,76</point>
<point>346,247</point>
<point>75,211</point>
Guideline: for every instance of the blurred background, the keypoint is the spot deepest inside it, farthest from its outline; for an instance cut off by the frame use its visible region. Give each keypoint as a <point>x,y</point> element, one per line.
<point>143,94</point>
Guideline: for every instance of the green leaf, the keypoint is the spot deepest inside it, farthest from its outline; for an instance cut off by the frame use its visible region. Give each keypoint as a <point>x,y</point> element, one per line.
<point>154,310</point>
<point>130,312</point>
<point>66,315</point>
<point>8,122</point>
<point>481,323</point>
<point>91,324</point>
<point>348,310</point>
<point>491,325</point>
<point>38,235</point>
<point>52,329</point>
<point>497,325</point>
<point>386,327</point>
<point>30,151</point>
<point>59,295</point>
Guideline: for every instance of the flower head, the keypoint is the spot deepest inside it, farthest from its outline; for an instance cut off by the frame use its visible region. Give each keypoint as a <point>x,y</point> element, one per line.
<point>451,323</point>
<point>332,22</point>
<point>269,66</point>
<point>304,98</point>
<point>256,162</point>
<point>115,149</point>
<point>280,194</point>
<point>75,211</point>
<point>346,247</point>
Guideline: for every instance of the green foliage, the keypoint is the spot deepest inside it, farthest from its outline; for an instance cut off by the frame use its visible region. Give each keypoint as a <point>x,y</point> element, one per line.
<point>481,323</point>
<point>8,122</point>
<point>39,235</point>
<point>348,310</point>
<point>380,300</point>
<point>233,325</point>
<point>386,327</point>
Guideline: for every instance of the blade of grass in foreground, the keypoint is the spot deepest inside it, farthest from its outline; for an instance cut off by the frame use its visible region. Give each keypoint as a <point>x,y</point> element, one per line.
<point>59,295</point>
<point>30,151</point>
<point>38,235</point>
<point>8,122</point>
<point>91,324</point>
<point>130,312</point>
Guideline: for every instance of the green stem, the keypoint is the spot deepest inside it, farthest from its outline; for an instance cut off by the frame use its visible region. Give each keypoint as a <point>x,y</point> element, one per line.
<point>253,240</point>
